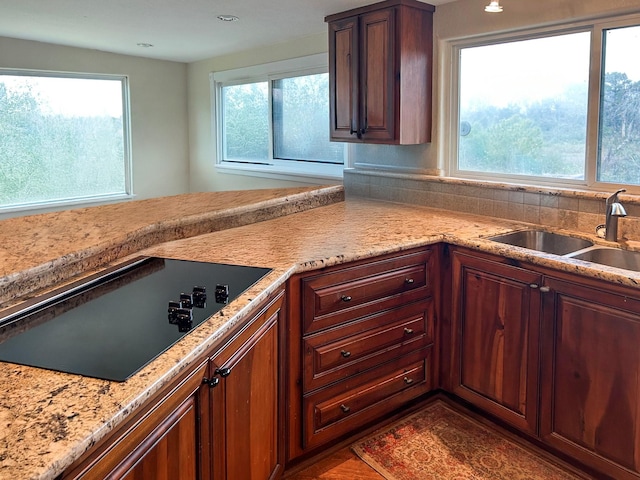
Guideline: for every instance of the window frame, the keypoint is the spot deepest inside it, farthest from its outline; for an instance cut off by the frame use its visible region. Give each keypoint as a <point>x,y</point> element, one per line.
<point>450,78</point>
<point>87,200</point>
<point>296,170</point>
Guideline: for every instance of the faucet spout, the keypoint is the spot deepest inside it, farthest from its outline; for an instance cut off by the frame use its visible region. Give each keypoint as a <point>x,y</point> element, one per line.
<point>614,210</point>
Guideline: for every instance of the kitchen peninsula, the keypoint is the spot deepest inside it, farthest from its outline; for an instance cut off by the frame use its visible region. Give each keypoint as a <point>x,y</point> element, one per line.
<point>49,420</point>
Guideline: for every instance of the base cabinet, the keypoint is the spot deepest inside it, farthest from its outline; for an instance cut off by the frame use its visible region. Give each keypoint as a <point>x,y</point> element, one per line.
<point>164,442</point>
<point>495,338</point>
<point>554,354</point>
<point>245,402</point>
<point>360,347</point>
<point>590,406</point>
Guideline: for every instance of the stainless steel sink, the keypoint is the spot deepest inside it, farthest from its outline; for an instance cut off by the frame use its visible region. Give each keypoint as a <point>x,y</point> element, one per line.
<point>612,257</point>
<point>542,241</point>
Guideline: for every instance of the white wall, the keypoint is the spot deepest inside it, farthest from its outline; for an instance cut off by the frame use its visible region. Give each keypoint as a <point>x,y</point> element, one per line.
<point>204,176</point>
<point>159,123</point>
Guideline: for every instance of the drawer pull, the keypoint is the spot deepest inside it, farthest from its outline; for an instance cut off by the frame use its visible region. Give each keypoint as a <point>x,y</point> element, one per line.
<point>345,298</point>
<point>345,353</point>
<point>408,380</point>
<point>408,331</point>
<point>408,281</point>
<point>344,408</point>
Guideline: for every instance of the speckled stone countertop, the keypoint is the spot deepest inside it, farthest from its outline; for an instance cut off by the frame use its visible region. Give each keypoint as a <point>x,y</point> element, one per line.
<point>37,251</point>
<point>49,419</point>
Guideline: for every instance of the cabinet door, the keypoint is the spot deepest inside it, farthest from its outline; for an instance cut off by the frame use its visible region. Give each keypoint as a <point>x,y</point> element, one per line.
<point>378,70</point>
<point>344,77</point>
<point>246,416</point>
<point>590,406</point>
<point>495,319</point>
<point>166,442</point>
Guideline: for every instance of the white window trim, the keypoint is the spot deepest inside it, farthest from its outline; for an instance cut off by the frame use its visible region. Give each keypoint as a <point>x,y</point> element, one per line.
<point>25,208</point>
<point>308,172</point>
<point>448,128</point>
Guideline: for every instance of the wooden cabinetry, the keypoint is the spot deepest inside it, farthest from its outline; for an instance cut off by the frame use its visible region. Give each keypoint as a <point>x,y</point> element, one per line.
<point>247,419</point>
<point>380,67</point>
<point>167,440</point>
<point>223,420</point>
<point>362,347</point>
<point>590,406</point>
<point>525,336</point>
<point>495,316</point>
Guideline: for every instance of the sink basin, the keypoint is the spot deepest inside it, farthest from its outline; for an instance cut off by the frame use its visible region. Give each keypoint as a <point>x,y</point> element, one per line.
<point>543,241</point>
<point>611,257</point>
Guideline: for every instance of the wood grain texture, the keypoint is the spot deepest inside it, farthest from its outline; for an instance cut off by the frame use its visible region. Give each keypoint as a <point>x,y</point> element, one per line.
<point>591,396</point>
<point>495,354</point>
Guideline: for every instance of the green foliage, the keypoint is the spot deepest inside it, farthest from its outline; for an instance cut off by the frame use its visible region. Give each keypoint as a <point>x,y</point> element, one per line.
<point>53,157</point>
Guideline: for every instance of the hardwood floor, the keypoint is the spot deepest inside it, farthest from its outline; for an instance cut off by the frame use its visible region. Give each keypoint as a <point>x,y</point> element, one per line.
<point>342,465</point>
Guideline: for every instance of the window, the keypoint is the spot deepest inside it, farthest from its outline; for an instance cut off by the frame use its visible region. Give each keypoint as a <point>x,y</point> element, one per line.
<point>548,108</point>
<point>273,120</point>
<point>63,139</point>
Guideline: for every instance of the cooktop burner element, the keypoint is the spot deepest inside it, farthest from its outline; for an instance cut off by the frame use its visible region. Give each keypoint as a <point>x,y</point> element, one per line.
<point>116,324</point>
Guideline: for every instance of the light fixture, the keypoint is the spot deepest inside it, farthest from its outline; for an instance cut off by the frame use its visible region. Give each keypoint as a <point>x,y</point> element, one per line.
<point>228,18</point>
<point>493,7</point>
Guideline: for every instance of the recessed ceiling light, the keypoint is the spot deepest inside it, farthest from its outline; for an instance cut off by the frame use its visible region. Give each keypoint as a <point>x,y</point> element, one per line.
<point>145,45</point>
<point>493,7</point>
<point>228,18</point>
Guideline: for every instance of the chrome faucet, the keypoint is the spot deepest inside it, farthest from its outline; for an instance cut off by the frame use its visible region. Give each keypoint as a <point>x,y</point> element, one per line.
<point>614,209</point>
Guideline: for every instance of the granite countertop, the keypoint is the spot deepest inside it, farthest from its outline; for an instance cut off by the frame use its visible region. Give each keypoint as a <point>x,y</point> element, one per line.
<point>50,419</point>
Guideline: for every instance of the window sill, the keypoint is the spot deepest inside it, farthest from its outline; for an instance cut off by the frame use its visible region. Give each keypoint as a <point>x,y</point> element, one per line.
<point>318,174</point>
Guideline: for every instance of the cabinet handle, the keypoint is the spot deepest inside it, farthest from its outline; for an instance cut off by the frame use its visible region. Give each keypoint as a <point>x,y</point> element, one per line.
<point>212,382</point>
<point>344,408</point>
<point>408,380</point>
<point>345,298</point>
<point>345,353</point>
<point>408,331</point>
<point>223,372</point>
<point>545,289</point>
<point>408,281</point>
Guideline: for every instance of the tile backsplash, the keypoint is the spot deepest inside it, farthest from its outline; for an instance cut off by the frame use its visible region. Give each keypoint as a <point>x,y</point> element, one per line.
<point>578,210</point>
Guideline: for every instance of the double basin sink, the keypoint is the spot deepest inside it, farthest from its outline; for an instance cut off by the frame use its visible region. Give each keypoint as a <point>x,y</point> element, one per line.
<point>571,247</point>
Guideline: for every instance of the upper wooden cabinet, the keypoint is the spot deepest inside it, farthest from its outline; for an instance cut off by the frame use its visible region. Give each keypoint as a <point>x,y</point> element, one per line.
<point>380,63</point>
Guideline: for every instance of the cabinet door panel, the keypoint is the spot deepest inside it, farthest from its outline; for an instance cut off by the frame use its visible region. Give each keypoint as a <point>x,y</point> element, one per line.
<point>496,317</point>
<point>378,33</point>
<point>591,394</point>
<point>246,403</point>
<point>343,40</point>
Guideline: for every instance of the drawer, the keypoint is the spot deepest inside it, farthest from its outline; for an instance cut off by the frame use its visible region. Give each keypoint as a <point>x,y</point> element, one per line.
<point>334,354</point>
<point>342,408</point>
<point>344,294</point>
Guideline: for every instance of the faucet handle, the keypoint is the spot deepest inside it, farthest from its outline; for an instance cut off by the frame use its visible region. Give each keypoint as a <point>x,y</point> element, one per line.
<point>617,210</point>
<point>614,198</point>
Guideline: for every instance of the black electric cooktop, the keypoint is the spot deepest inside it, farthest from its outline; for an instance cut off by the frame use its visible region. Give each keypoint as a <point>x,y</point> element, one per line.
<point>115,324</point>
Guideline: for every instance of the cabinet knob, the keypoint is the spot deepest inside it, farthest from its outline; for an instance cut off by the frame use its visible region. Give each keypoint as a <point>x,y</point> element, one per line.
<point>212,382</point>
<point>223,372</point>
<point>344,408</point>
<point>408,331</point>
<point>408,281</point>
<point>345,353</point>
<point>533,285</point>
<point>345,298</point>
<point>408,380</point>
<point>545,289</point>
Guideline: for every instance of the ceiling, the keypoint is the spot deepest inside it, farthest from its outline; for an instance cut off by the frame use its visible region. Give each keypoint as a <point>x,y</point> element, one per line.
<point>182,31</point>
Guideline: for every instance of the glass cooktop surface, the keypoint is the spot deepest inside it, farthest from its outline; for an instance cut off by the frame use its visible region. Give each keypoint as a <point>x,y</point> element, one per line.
<point>112,328</point>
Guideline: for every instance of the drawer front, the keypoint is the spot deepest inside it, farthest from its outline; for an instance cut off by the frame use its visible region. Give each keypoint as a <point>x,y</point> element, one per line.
<point>339,410</point>
<point>358,346</point>
<point>342,295</point>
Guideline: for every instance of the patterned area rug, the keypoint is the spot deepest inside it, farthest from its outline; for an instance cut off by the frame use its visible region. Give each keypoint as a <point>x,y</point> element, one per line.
<point>438,443</point>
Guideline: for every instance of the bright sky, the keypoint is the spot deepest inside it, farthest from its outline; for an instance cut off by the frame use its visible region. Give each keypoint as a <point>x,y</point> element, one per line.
<point>72,96</point>
<point>531,70</point>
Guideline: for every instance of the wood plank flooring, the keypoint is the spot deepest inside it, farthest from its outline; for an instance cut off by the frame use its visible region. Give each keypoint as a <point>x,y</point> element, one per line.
<point>342,465</point>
